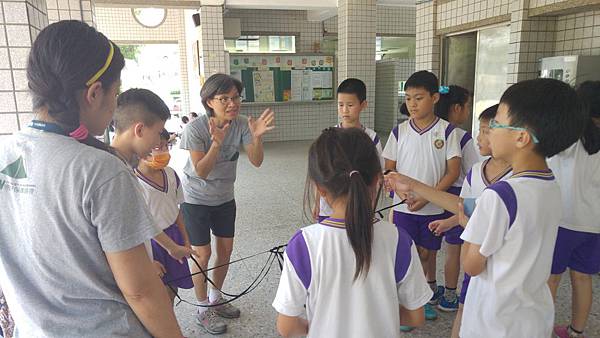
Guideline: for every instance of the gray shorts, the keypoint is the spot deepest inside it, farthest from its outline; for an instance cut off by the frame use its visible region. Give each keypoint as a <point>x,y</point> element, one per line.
<point>201,219</point>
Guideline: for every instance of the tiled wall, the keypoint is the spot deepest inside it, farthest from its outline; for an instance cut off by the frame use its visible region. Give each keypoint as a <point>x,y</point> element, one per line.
<point>356,48</point>
<point>296,121</point>
<point>427,43</point>
<point>541,3</point>
<point>389,73</point>
<point>462,12</point>
<point>391,20</point>
<point>82,10</point>
<point>578,34</point>
<point>213,56</point>
<point>119,25</point>
<point>20,23</point>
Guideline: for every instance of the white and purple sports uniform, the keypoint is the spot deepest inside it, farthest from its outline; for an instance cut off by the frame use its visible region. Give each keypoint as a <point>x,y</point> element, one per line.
<point>515,224</point>
<point>578,242</point>
<point>470,156</point>
<point>474,184</point>
<point>318,272</point>
<point>325,210</point>
<point>422,154</point>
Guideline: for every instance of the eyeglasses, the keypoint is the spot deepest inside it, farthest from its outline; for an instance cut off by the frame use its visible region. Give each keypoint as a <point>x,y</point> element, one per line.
<point>495,125</point>
<point>226,99</point>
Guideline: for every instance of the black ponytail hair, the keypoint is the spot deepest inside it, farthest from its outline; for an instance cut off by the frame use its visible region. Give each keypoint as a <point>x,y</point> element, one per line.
<point>346,164</point>
<point>456,95</point>
<point>65,55</point>
<point>589,93</point>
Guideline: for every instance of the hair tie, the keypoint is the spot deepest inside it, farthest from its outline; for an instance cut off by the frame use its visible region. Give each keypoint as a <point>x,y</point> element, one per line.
<point>81,133</point>
<point>101,71</point>
<point>353,172</point>
<point>444,90</point>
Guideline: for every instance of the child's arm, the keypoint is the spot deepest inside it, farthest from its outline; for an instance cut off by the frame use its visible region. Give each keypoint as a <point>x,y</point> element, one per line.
<point>402,184</point>
<point>176,251</point>
<point>413,318</point>
<point>181,226</point>
<point>441,226</point>
<point>473,262</point>
<point>291,326</point>
<point>451,175</point>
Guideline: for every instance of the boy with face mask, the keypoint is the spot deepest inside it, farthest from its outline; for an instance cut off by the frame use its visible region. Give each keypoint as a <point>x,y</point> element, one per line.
<point>162,191</point>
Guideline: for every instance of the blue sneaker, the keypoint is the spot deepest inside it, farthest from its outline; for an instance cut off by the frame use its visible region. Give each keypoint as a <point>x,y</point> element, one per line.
<point>437,295</point>
<point>406,328</point>
<point>448,306</point>
<point>430,313</point>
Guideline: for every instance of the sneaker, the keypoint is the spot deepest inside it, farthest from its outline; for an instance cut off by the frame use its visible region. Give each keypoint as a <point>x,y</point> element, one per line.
<point>448,306</point>
<point>563,332</point>
<point>437,295</point>
<point>226,310</point>
<point>406,328</point>
<point>209,321</point>
<point>430,313</point>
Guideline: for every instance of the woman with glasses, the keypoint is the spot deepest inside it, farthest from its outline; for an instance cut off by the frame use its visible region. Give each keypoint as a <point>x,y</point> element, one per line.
<point>214,142</point>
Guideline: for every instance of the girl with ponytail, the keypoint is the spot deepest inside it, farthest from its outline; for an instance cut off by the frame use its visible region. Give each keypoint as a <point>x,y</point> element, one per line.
<point>356,274</point>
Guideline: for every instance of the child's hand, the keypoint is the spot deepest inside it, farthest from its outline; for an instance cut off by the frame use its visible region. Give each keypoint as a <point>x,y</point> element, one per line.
<point>417,204</point>
<point>217,134</point>
<point>160,269</point>
<point>263,124</point>
<point>181,252</point>
<point>400,184</point>
<point>439,227</point>
<point>462,218</point>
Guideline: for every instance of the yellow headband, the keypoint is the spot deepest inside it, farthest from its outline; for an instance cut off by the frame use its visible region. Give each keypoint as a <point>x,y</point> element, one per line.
<point>96,76</point>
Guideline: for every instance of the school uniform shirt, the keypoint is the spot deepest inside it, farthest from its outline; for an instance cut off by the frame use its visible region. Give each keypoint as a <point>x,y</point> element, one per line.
<point>422,155</point>
<point>469,155</point>
<point>515,223</point>
<point>218,187</point>
<point>64,206</point>
<point>578,175</point>
<point>318,272</point>
<point>163,202</point>
<point>475,182</point>
<point>325,209</point>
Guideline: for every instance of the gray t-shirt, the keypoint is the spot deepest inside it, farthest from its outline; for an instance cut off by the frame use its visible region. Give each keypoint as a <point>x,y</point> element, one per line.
<point>63,205</point>
<point>217,188</point>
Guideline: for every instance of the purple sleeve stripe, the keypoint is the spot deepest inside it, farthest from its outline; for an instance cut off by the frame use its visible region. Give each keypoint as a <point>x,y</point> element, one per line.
<point>403,254</point>
<point>376,140</point>
<point>395,132</point>
<point>469,174</point>
<point>508,196</point>
<point>449,130</point>
<point>177,179</point>
<point>297,252</point>
<point>465,139</point>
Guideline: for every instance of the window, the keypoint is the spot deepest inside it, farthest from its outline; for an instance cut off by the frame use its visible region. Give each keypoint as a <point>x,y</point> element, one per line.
<point>261,44</point>
<point>397,47</point>
<point>149,17</point>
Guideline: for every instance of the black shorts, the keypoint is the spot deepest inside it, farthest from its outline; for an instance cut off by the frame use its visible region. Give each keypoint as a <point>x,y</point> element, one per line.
<point>201,219</point>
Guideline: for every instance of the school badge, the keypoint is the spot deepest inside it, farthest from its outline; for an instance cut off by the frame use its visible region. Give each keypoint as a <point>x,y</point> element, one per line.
<point>439,143</point>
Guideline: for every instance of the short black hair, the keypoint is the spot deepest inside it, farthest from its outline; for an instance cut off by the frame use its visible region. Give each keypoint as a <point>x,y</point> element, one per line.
<point>192,114</point>
<point>550,109</point>
<point>353,86</point>
<point>489,113</point>
<point>218,84</point>
<point>139,105</point>
<point>185,119</point>
<point>165,135</point>
<point>423,79</point>
<point>589,93</point>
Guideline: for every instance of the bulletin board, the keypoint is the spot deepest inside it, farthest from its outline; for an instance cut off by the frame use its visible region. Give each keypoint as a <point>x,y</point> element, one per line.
<point>284,77</point>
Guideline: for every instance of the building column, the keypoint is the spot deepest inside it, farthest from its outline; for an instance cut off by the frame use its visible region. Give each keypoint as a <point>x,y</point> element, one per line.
<point>427,43</point>
<point>356,48</point>
<point>20,24</point>
<point>212,49</point>
<point>531,38</point>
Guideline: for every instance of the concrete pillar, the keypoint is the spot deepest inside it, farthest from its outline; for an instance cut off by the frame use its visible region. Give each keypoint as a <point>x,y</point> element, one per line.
<point>212,49</point>
<point>427,43</point>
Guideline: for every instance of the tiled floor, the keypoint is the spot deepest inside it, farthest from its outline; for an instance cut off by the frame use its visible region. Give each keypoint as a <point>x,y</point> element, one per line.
<point>270,202</point>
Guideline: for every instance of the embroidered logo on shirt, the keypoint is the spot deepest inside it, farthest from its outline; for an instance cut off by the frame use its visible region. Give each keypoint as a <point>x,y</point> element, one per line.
<point>439,143</point>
